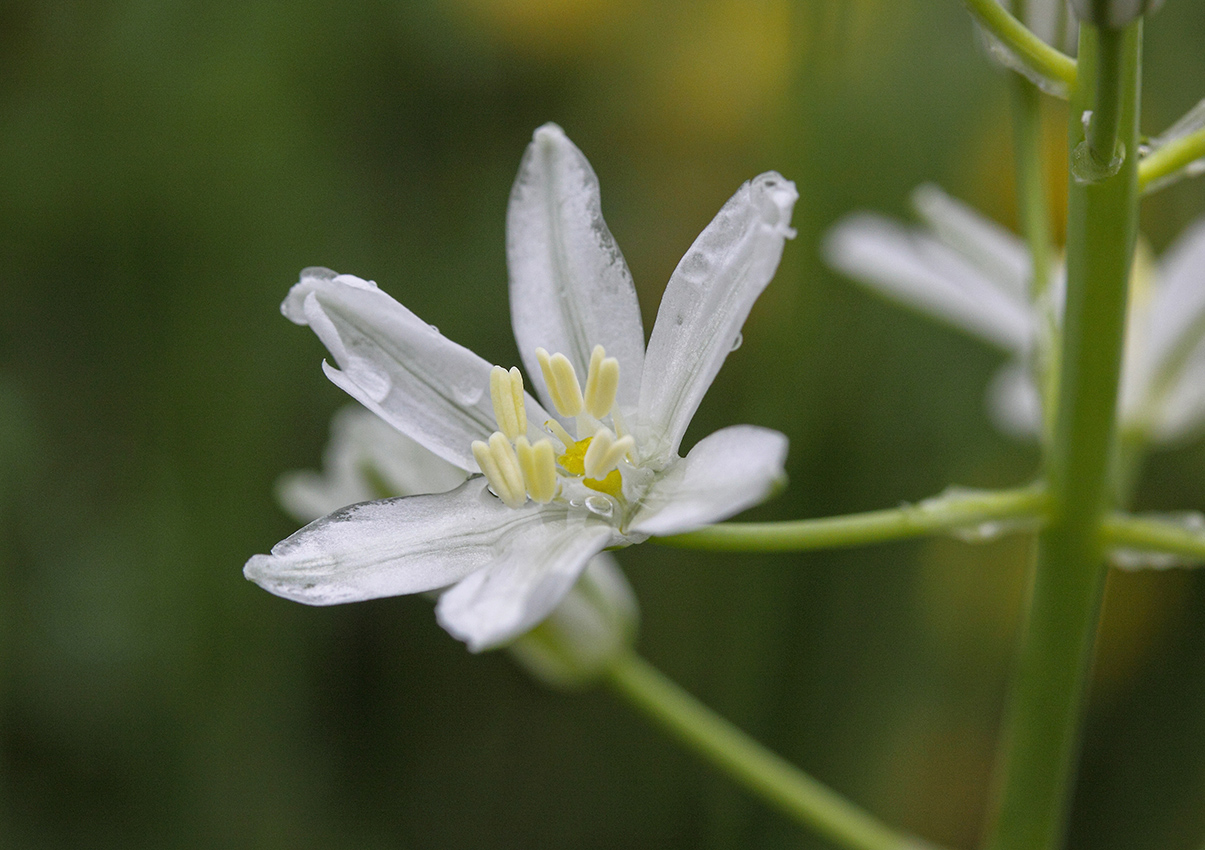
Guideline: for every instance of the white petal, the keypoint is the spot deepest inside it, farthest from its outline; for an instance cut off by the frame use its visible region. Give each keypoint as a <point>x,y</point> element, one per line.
<point>1183,410</point>
<point>533,568</point>
<point>570,288</point>
<point>590,628</point>
<point>398,546</point>
<point>1001,256</point>
<point>398,366</point>
<point>1179,300</point>
<point>924,273</point>
<point>365,459</point>
<point>707,300</point>
<point>1014,402</point>
<point>726,472</point>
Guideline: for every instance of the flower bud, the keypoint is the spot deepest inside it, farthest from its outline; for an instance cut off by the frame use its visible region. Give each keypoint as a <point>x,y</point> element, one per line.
<point>1113,14</point>
<point>592,626</point>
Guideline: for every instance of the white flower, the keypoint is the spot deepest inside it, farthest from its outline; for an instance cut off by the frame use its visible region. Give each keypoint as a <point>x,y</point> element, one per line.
<point>367,459</point>
<point>975,275</point>
<point>601,471</point>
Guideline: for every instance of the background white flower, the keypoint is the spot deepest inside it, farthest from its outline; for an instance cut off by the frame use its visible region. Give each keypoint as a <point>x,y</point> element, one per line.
<point>973,274</point>
<point>601,471</point>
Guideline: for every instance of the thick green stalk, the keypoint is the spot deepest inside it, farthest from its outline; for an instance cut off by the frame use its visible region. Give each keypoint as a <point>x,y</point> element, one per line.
<point>980,513</point>
<point>1045,708</point>
<point>768,775</point>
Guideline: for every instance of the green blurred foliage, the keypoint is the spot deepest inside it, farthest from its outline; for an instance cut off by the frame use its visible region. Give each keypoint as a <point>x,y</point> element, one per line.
<point>167,168</point>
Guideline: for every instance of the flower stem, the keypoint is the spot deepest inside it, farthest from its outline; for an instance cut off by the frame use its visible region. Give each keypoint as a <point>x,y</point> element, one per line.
<point>1154,535</point>
<point>1042,723</point>
<point>1035,53</point>
<point>765,773</point>
<point>1170,158</point>
<point>932,516</point>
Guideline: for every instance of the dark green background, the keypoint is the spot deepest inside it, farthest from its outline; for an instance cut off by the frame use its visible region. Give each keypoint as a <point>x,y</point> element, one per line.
<point>166,168</point>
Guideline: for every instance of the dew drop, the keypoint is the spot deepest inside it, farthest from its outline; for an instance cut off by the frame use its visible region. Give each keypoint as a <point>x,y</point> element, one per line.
<point>433,329</point>
<point>368,376</point>
<point>467,394</point>
<point>736,343</point>
<point>318,273</point>
<point>1087,169</point>
<point>600,506</point>
<point>980,533</point>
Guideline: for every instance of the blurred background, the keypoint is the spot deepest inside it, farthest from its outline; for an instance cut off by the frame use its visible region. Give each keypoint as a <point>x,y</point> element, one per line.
<point>166,169</point>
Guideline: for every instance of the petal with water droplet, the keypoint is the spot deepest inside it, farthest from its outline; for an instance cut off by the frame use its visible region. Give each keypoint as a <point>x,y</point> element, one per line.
<point>391,361</point>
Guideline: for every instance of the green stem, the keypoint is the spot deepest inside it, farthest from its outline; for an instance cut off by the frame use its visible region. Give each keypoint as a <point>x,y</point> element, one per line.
<point>1170,158</point>
<point>1037,55</point>
<point>1035,226</point>
<point>768,775</point>
<point>959,510</point>
<point>1155,535</point>
<point>1045,707</point>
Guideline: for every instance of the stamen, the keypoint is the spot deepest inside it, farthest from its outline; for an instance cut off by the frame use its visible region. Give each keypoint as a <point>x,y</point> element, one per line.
<point>602,383</point>
<point>562,382</point>
<point>501,469</point>
<point>539,468</point>
<point>597,450</point>
<point>559,432</point>
<point>510,408</point>
<point>605,453</point>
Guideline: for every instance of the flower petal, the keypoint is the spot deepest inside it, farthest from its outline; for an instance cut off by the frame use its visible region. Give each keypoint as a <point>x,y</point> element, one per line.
<point>1178,305</point>
<point>589,629</point>
<point>570,288</point>
<point>398,366</point>
<point>926,274</point>
<point>726,472</point>
<point>1014,402</point>
<point>1001,256</point>
<point>405,545</point>
<point>1183,408</point>
<point>534,566</point>
<point>365,459</point>
<point>707,300</point>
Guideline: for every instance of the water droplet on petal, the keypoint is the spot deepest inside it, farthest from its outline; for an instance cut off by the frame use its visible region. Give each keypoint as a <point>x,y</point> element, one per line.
<point>433,329</point>
<point>368,376</point>
<point>467,394</point>
<point>600,506</point>
<point>318,273</point>
<point>736,343</point>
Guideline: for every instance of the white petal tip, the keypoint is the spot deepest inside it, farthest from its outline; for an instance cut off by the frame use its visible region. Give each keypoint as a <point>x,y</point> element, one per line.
<point>549,132</point>
<point>775,197</point>
<point>311,278</point>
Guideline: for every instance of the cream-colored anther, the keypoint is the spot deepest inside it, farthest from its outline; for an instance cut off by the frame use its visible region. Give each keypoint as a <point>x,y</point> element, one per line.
<point>562,382</point>
<point>501,469</point>
<point>602,383</point>
<point>605,452</point>
<point>510,409</point>
<point>538,464</point>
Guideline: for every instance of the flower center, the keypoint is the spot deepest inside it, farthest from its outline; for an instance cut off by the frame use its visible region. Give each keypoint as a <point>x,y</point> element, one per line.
<point>517,468</point>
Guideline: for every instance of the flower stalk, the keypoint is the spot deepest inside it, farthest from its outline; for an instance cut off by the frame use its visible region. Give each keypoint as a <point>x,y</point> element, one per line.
<point>1038,56</point>
<point>1022,508</point>
<point>1043,719</point>
<point>1169,159</point>
<point>763,772</point>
